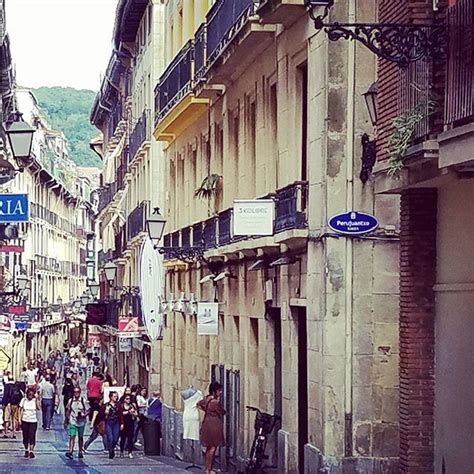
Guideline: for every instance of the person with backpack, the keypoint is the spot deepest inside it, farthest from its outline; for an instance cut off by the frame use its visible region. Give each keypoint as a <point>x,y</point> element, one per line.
<point>75,422</point>
<point>12,397</point>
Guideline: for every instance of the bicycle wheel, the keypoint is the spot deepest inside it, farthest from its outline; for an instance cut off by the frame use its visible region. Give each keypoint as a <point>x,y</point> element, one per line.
<point>256,456</point>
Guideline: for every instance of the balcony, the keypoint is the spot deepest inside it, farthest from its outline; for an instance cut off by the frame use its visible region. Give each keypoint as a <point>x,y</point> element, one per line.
<point>285,12</point>
<point>106,196</point>
<point>104,257</point>
<point>140,136</point>
<point>214,235</point>
<point>175,104</point>
<point>235,37</point>
<point>456,144</point>
<point>136,222</point>
<point>115,119</point>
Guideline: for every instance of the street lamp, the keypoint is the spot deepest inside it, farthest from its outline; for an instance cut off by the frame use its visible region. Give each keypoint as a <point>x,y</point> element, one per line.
<point>371,101</point>
<point>110,270</point>
<point>44,303</point>
<point>94,288</point>
<point>20,137</point>
<point>60,301</point>
<point>84,299</point>
<point>22,281</point>
<point>155,225</point>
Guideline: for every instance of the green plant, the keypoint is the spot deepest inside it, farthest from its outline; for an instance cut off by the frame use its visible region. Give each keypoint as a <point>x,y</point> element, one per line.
<point>401,139</point>
<point>209,187</point>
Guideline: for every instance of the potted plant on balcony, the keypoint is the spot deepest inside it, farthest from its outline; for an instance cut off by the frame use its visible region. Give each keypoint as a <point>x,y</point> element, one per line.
<point>209,189</point>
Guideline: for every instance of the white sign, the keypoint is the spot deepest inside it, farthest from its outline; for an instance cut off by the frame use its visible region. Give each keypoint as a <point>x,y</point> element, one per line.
<point>35,327</point>
<point>151,289</point>
<point>125,344</point>
<point>253,216</point>
<point>4,338</point>
<point>208,319</point>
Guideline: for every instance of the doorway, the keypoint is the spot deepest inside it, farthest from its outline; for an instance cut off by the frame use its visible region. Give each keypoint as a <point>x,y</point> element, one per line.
<point>302,384</point>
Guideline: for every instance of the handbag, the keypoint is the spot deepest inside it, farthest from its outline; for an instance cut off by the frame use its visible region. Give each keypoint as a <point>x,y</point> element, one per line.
<point>101,428</point>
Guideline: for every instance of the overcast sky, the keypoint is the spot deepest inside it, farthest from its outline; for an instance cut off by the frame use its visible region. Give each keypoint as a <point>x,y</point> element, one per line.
<point>60,42</point>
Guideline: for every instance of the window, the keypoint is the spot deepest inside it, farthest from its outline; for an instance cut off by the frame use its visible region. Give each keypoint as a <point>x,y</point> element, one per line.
<point>235,133</point>
<point>252,135</point>
<point>302,75</point>
<point>274,133</point>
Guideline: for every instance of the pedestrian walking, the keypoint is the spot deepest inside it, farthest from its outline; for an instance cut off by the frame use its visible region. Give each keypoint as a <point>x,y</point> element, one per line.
<point>12,396</point>
<point>112,426</point>
<point>68,392</point>
<point>75,422</point>
<point>31,377</point>
<point>94,392</point>
<point>97,426</point>
<point>47,394</point>
<point>128,413</point>
<point>212,428</point>
<point>142,406</point>
<point>29,407</point>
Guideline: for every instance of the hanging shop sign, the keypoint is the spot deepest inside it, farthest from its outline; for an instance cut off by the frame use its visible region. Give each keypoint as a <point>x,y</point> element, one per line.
<point>94,340</point>
<point>125,344</point>
<point>4,360</point>
<point>253,217</point>
<point>12,248</point>
<point>151,289</point>
<point>208,319</point>
<point>128,324</point>
<point>34,328</point>
<point>17,309</point>
<point>5,323</point>
<point>4,339</point>
<point>21,326</point>
<point>14,208</point>
<point>353,223</point>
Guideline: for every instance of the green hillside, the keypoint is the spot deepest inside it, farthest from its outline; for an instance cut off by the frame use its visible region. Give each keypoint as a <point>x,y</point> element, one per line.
<point>67,110</point>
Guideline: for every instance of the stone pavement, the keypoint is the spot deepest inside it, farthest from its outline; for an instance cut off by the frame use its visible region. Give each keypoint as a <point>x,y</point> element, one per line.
<point>50,457</point>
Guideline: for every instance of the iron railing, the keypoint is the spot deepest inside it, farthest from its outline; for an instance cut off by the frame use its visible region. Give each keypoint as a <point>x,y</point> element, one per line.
<point>290,210</point>
<point>114,118</point>
<point>200,48</point>
<point>136,222</point>
<point>290,213</point>
<point>140,134</point>
<point>459,104</point>
<point>106,195</point>
<point>104,257</point>
<point>224,20</point>
<point>175,82</point>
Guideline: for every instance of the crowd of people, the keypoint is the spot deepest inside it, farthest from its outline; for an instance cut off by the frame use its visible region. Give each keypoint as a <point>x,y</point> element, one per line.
<point>73,382</point>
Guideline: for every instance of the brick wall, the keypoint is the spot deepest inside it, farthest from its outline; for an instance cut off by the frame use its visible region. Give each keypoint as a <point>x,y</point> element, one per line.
<point>417,315</point>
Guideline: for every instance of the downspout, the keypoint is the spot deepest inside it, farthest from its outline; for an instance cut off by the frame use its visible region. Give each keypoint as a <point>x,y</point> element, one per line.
<point>351,56</point>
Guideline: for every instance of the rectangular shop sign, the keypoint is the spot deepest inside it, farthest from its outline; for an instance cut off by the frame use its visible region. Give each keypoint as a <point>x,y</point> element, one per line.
<point>208,319</point>
<point>21,326</point>
<point>12,248</point>
<point>14,208</point>
<point>253,216</point>
<point>128,324</point>
<point>93,340</point>
<point>125,344</point>
<point>17,309</point>
<point>4,338</point>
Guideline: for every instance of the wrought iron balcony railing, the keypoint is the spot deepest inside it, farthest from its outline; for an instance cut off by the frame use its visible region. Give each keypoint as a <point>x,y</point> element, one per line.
<point>114,119</point>
<point>200,53</point>
<point>224,20</point>
<point>140,134</point>
<point>104,257</point>
<point>459,104</point>
<point>136,222</point>
<point>290,209</point>
<point>290,213</point>
<point>175,82</point>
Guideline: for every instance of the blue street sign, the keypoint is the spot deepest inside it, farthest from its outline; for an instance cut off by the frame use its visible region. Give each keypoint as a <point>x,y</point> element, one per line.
<point>353,223</point>
<point>14,208</point>
<point>21,326</point>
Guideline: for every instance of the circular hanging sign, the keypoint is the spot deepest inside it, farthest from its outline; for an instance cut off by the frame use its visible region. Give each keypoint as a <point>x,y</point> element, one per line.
<point>151,289</point>
<point>353,223</point>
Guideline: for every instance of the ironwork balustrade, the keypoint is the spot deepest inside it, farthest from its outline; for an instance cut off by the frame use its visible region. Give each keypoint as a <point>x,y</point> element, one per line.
<point>200,48</point>
<point>175,82</point>
<point>140,134</point>
<point>136,222</point>
<point>210,233</point>
<point>114,119</point>
<point>290,209</point>
<point>225,221</point>
<point>224,20</point>
<point>459,104</point>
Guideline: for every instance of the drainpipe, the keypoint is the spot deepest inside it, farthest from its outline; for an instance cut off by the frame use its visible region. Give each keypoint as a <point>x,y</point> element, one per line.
<point>349,243</point>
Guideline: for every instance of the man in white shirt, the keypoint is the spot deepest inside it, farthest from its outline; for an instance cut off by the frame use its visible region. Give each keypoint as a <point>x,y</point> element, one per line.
<point>47,394</point>
<point>31,377</point>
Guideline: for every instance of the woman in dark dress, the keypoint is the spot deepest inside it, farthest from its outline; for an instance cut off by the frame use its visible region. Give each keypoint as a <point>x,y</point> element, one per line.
<point>212,427</point>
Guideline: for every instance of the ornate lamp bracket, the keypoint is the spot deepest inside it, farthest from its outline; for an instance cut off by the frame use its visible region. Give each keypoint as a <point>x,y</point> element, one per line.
<point>185,254</point>
<point>401,44</point>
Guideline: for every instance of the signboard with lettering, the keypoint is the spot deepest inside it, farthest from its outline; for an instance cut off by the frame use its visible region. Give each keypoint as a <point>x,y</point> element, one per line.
<point>14,208</point>
<point>208,319</point>
<point>128,324</point>
<point>353,223</point>
<point>4,360</point>
<point>125,344</point>
<point>253,216</point>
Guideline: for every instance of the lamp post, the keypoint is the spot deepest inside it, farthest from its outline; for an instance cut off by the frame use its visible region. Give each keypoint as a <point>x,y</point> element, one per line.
<point>370,97</point>
<point>369,147</point>
<point>155,225</point>
<point>44,307</point>
<point>93,288</point>
<point>20,137</point>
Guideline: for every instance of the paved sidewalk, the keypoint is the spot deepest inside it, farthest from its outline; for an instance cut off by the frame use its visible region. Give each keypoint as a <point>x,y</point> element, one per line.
<point>50,457</point>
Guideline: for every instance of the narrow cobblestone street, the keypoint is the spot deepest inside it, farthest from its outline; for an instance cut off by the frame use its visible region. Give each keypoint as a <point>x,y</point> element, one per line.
<point>50,457</point>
